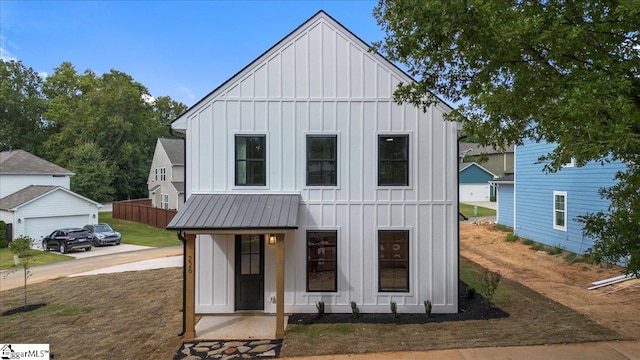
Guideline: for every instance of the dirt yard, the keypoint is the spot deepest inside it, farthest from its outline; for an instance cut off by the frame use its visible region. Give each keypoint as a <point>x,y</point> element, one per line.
<point>614,306</point>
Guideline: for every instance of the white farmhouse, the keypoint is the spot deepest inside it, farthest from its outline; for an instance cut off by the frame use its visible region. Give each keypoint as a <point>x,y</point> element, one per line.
<point>166,176</point>
<point>306,182</point>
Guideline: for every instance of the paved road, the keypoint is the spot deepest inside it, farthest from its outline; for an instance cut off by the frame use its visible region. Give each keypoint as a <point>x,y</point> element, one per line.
<point>13,279</point>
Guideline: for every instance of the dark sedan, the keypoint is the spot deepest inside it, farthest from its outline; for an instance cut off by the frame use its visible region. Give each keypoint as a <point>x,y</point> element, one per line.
<point>69,239</point>
<point>103,234</point>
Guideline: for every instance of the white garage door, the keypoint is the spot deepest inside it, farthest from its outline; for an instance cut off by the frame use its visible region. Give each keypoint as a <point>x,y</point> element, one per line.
<point>37,228</point>
<point>474,192</point>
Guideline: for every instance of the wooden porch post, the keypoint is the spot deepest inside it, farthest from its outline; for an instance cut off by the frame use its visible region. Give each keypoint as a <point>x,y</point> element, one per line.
<point>190,293</point>
<point>280,286</point>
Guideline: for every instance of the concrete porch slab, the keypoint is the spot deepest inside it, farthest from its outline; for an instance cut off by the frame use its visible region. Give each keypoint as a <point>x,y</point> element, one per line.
<point>237,327</point>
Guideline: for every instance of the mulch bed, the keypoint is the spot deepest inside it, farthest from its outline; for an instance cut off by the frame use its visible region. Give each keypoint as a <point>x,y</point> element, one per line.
<point>22,309</point>
<point>470,309</point>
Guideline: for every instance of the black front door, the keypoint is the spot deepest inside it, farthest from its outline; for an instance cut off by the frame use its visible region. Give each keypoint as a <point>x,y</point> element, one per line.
<point>249,285</point>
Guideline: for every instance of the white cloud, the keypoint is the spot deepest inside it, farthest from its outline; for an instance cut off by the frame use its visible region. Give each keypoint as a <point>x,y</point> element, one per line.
<point>187,92</point>
<point>43,75</point>
<point>4,53</point>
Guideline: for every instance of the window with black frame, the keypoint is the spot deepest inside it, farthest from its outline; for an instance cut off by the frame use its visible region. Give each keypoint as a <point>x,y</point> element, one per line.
<point>321,160</point>
<point>250,160</point>
<point>321,260</point>
<point>393,260</point>
<point>393,160</point>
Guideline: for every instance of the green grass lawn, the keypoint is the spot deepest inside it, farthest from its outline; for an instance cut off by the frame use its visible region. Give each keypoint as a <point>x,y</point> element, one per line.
<point>140,234</point>
<point>132,233</point>
<point>467,210</point>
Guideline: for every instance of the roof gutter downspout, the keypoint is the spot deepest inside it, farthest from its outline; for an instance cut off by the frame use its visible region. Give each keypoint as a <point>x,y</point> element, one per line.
<point>458,215</point>
<point>182,238</point>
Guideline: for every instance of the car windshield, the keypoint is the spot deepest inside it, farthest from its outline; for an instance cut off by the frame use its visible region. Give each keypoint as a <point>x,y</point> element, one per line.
<point>79,233</point>
<point>102,228</point>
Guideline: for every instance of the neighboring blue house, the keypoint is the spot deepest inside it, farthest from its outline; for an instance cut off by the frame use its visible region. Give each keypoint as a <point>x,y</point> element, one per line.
<point>543,207</point>
<point>474,182</point>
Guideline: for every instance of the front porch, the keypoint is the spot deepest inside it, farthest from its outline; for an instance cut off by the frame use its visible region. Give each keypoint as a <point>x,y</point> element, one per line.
<point>237,327</point>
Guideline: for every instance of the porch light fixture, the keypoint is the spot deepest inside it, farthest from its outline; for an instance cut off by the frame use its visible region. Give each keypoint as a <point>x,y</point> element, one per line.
<point>19,221</point>
<point>272,239</point>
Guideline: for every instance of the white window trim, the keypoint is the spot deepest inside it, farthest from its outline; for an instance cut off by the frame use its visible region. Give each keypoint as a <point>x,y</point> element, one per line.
<point>570,164</point>
<point>563,194</point>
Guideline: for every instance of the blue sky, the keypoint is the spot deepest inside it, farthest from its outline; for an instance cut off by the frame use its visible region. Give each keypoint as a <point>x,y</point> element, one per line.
<point>183,49</point>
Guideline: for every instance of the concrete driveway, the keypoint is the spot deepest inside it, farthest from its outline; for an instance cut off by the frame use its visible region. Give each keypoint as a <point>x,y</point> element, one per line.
<point>106,250</point>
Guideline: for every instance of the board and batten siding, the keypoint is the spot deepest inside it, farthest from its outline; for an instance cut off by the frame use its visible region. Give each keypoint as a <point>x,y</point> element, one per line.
<point>534,197</point>
<point>322,80</point>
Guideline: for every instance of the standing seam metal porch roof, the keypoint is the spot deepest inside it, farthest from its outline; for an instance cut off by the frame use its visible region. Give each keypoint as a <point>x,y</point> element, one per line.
<point>237,211</point>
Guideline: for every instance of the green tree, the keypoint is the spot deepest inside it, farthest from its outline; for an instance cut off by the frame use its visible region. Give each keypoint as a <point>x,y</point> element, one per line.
<point>21,247</point>
<point>22,106</point>
<point>93,174</point>
<point>558,71</point>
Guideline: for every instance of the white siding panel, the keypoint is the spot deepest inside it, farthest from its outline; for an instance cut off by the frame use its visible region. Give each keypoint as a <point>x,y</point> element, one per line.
<point>384,82</point>
<point>370,77</point>
<point>287,75</point>
<point>261,82</point>
<point>12,183</point>
<point>219,144</point>
<point>315,62</point>
<point>343,76</point>
<point>246,87</point>
<point>302,67</point>
<point>328,62</point>
<point>289,145</point>
<point>275,77</point>
<point>328,117</point>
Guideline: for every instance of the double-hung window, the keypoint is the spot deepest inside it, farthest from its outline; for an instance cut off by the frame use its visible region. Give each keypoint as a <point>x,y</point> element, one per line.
<point>250,160</point>
<point>560,210</point>
<point>321,160</point>
<point>163,174</point>
<point>393,260</point>
<point>393,160</point>
<point>322,268</point>
<point>164,202</point>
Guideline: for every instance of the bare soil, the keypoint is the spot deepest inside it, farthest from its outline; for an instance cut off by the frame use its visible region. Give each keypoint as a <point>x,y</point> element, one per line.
<point>616,306</point>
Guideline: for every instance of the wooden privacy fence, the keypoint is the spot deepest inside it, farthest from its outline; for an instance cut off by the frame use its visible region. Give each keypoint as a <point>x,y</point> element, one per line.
<point>140,210</point>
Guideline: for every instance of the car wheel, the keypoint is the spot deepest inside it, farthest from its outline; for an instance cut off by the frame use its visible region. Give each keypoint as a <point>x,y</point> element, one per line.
<point>94,242</point>
<point>87,249</point>
<point>44,246</point>
<point>118,243</point>
<point>63,249</point>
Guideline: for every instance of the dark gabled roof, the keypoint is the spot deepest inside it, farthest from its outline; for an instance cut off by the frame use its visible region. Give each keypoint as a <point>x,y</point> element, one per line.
<point>20,162</point>
<point>25,195</point>
<point>174,149</point>
<point>31,193</point>
<point>179,185</point>
<point>309,20</point>
<point>477,149</point>
<point>465,165</point>
<point>237,211</point>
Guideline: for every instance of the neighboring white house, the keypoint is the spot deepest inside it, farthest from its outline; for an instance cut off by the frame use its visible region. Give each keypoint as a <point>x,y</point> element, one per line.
<point>35,196</point>
<point>166,177</point>
<point>307,182</point>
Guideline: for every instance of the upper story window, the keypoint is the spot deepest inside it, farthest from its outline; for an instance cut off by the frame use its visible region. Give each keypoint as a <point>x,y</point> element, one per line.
<point>250,160</point>
<point>393,260</point>
<point>560,210</point>
<point>393,160</point>
<point>321,160</point>
<point>163,174</point>
<point>156,175</point>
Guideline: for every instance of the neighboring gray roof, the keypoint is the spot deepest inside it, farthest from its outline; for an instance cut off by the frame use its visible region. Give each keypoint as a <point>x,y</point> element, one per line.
<point>477,149</point>
<point>237,211</point>
<point>179,185</point>
<point>508,179</point>
<point>27,194</point>
<point>32,192</point>
<point>174,149</point>
<point>20,162</point>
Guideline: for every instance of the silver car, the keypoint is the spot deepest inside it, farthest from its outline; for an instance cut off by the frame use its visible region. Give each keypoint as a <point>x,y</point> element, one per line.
<point>103,234</point>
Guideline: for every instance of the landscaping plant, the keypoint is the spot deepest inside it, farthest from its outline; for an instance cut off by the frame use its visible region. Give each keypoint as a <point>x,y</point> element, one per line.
<point>490,282</point>
<point>354,309</point>
<point>320,307</point>
<point>427,308</point>
<point>394,309</point>
<point>22,248</point>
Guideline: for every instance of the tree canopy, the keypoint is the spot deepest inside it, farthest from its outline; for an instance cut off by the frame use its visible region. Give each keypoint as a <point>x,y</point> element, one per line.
<point>564,72</point>
<point>102,128</point>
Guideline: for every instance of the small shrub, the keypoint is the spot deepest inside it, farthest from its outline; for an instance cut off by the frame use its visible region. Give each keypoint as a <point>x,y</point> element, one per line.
<point>537,247</point>
<point>471,292</point>
<point>3,243</point>
<point>527,242</point>
<point>511,238</point>
<point>554,250</point>
<point>503,228</point>
<point>355,310</point>
<point>394,309</point>
<point>490,282</point>
<point>320,307</point>
<point>427,308</point>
